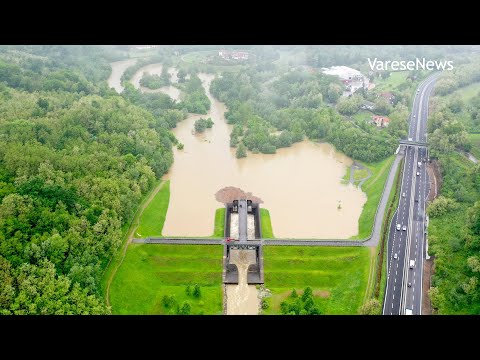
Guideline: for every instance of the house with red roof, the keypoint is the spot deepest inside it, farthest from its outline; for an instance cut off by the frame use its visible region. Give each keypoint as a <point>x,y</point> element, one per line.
<point>380,121</point>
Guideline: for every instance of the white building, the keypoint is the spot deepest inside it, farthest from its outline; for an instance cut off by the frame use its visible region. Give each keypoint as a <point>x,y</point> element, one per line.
<point>353,79</point>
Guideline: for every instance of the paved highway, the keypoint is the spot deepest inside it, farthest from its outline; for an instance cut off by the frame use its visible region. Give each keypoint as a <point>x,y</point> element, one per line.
<point>404,280</point>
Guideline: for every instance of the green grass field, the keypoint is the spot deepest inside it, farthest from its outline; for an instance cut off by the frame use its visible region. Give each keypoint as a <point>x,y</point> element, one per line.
<point>153,217</point>
<point>338,276</point>
<point>219,226</point>
<point>373,187</point>
<point>266,224</point>
<point>151,271</point>
<point>127,228</point>
<point>360,174</point>
<point>467,92</point>
<point>363,115</point>
<point>396,78</point>
<point>475,140</point>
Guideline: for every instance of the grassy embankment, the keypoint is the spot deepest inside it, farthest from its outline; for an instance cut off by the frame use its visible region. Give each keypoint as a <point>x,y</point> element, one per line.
<point>337,276</point>
<point>150,272</point>
<point>127,229</point>
<point>266,224</point>
<point>373,188</point>
<point>378,280</point>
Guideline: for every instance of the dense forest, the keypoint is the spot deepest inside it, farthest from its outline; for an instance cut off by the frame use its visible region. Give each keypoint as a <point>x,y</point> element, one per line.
<point>275,114</point>
<point>75,160</point>
<point>454,231</point>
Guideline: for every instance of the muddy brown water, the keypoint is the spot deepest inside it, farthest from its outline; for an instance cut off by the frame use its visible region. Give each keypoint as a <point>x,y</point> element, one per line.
<point>242,299</point>
<point>156,69</point>
<point>118,68</point>
<point>300,185</point>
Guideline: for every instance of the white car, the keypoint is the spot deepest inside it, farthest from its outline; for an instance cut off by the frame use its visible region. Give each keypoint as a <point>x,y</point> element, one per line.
<point>418,173</point>
<point>404,227</point>
<point>414,115</point>
<point>398,226</point>
<point>403,195</point>
<point>395,256</point>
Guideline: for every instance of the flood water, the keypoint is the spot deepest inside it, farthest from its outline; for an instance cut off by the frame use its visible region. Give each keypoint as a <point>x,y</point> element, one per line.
<point>300,185</point>
<point>156,69</point>
<point>242,299</point>
<point>118,68</point>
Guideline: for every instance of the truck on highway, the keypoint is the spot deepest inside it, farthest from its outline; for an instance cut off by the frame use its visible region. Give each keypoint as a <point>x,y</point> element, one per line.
<point>419,164</point>
<point>408,312</point>
<point>412,264</point>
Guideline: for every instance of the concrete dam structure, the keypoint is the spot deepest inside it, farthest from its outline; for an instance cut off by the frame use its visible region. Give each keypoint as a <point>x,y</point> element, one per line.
<point>243,232</point>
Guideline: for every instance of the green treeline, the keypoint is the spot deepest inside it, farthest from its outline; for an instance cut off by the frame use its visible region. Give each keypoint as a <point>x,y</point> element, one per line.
<point>153,81</point>
<point>294,106</point>
<point>459,77</point>
<point>454,230</point>
<point>194,100</point>
<point>75,160</point>
<point>202,124</point>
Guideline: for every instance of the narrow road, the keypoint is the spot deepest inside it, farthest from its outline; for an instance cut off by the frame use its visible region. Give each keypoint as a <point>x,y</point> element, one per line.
<point>265,242</point>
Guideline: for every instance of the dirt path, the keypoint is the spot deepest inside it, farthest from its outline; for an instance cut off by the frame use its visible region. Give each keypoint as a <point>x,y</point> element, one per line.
<point>434,179</point>
<point>358,166</point>
<point>469,156</point>
<point>428,270</point>
<point>133,227</point>
<point>371,274</point>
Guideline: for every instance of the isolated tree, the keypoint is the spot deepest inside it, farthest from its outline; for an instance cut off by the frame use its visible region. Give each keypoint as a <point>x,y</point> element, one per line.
<point>185,309</point>
<point>264,304</point>
<point>196,291</point>
<point>241,151</point>
<point>169,301</point>
<point>188,291</point>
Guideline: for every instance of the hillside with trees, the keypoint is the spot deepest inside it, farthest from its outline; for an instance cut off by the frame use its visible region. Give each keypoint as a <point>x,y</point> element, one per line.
<point>75,160</point>
<point>454,231</point>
